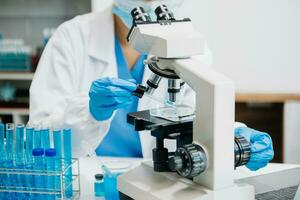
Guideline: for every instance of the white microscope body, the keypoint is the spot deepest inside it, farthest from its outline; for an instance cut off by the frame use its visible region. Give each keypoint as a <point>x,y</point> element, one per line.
<point>173,44</point>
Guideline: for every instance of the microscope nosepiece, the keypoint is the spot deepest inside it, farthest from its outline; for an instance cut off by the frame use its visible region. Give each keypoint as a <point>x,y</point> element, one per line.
<point>139,15</point>
<point>163,13</point>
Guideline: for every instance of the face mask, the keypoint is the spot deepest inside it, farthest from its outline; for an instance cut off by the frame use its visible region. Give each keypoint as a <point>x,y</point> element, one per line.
<point>124,7</point>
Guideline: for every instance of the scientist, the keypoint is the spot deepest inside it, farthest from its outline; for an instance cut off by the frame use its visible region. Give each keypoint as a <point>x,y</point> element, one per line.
<point>85,80</point>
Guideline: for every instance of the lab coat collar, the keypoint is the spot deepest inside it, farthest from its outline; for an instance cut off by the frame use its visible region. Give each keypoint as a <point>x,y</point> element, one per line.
<point>102,35</point>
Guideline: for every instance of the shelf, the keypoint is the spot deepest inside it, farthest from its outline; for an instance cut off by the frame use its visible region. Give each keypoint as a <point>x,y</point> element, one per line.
<point>9,111</point>
<point>26,76</point>
<point>266,98</point>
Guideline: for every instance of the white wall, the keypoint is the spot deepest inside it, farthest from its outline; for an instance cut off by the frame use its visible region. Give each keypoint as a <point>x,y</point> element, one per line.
<point>255,42</point>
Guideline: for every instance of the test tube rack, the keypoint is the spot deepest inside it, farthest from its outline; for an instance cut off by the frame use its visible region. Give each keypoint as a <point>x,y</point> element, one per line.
<point>56,193</point>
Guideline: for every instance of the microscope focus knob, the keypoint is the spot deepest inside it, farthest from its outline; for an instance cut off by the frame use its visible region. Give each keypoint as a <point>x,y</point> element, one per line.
<point>189,161</point>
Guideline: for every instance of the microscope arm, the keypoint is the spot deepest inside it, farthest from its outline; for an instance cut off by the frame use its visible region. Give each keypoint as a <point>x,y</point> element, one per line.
<point>214,119</point>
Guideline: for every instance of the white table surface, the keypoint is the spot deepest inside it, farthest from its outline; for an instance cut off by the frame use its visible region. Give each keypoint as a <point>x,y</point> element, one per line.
<point>91,166</point>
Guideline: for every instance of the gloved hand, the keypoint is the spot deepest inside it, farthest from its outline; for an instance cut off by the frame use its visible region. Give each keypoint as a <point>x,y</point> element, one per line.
<point>261,147</point>
<point>109,94</point>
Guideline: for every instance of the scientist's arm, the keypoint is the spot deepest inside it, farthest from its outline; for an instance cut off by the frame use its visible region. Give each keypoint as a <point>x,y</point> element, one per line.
<point>54,99</point>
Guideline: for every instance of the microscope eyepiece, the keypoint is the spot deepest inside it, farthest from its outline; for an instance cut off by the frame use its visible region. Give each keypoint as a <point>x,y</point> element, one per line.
<point>139,15</point>
<point>163,13</point>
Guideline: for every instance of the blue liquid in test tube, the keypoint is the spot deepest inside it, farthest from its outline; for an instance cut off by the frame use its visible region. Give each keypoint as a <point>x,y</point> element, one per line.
<point>50,157</point>
<point>38,155</point>
<point>10,152</point>
<point>57,138</point>
<point>37,138</point>
<point>20,144</point>
<point>20,157</point>
<point>29,182</point>
<point>67,135</point>
<point>45,138</point>
<point>2,158</point>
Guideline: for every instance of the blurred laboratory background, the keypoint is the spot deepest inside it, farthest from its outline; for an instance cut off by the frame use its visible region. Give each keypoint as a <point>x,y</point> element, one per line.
<point>254,42</point>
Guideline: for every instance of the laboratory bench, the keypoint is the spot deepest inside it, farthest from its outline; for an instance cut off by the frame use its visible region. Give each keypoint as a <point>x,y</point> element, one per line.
<point>89,166</point>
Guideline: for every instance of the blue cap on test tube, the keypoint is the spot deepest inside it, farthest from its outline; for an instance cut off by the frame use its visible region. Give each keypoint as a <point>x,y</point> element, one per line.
<point>50,152</point>
<point>38,152</point>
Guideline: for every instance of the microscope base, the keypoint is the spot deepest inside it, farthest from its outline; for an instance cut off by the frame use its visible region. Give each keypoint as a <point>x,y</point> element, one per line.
<point>143,183</point>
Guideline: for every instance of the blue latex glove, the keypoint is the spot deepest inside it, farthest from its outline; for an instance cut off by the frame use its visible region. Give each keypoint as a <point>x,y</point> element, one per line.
<point>261,147</point>
<point>109,94</point>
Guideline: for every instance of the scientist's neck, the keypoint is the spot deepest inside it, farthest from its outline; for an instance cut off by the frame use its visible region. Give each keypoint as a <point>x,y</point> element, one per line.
<point>122,31</point>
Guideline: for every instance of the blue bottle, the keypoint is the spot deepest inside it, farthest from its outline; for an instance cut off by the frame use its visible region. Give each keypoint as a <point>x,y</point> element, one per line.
<point>38,156</point>
<point>67,134</point>
<point>50,157</point>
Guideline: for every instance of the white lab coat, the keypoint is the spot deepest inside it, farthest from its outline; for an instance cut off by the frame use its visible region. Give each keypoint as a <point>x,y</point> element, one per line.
<point>81,51</point>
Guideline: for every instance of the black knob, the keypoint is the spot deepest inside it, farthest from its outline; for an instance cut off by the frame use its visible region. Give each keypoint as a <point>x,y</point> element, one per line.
<point>189,161</point>
<point>163,13</point>
<point>139,15</point>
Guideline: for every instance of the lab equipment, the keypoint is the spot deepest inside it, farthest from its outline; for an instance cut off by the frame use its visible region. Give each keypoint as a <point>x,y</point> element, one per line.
<point>261,147</point>
<point>37,138</point>
<point>113,94</point>
<point>20,144</point>
<point>24,176</point>
<point>2,143</point>
<point>7,91</point>
<point>57,140</point>
<point>10,147</point>
<point>67,146</point>
<point>14,55</point>
<point>39,181</point>
<point>29,145</point>
<point>110,184</point>
<point>198,155</point>
<point>50,157</point>
<point>99,185</point>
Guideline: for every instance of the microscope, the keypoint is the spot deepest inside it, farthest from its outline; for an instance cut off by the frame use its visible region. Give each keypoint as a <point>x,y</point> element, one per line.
<point>207,153</point>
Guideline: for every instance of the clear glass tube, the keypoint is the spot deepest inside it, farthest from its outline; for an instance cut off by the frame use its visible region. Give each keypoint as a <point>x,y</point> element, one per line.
<point>10,147</point>
<point>57,140</point>
<point>39,182</point>
<point>67,134</point>
<point>2,144</point>
<point>50,157</point>
<point>45,138</point>
<point>37,138</point>
<point>29,145</point>
<point>20,144</point>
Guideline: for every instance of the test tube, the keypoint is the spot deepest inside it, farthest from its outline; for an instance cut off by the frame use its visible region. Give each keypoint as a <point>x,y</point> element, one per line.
<point>29,145</point>
<point>45,138</point>
<point>2,146</point>
<point>2,158</point>
<point>67,134</point>
<point>37,138</point>
<point>38,154</point>
<point>50,157</point>
<point>9,164</point>
<point>57,140</point>
<point>20,144</point>
<point>29,159</point>
<point>10,150</point>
